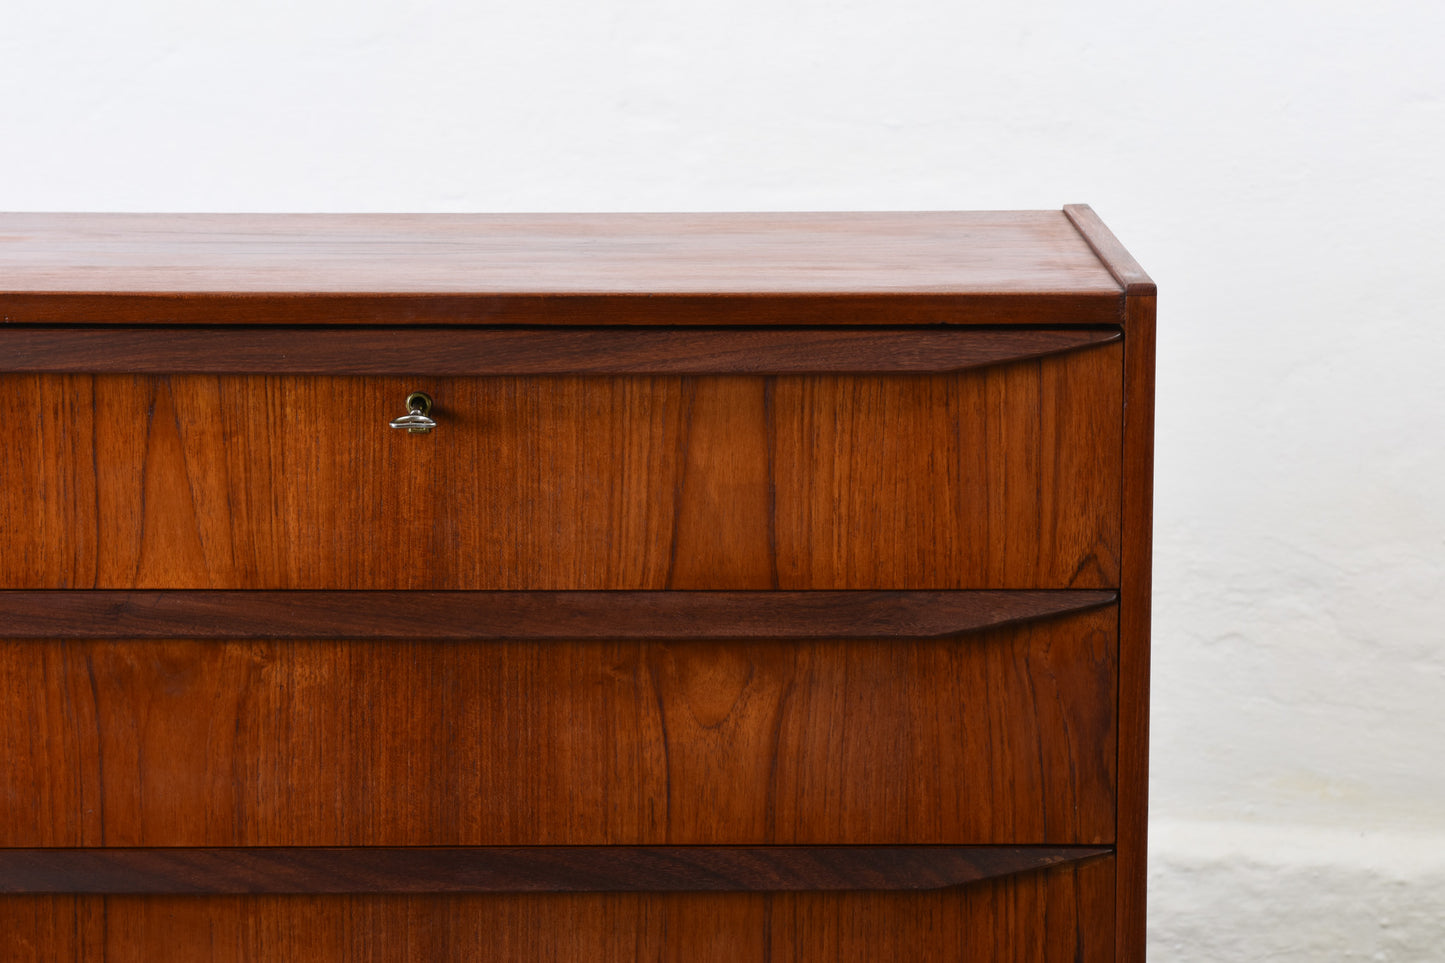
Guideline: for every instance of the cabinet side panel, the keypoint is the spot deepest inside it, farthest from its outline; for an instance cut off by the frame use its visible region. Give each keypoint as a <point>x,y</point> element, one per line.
<point>1134,624</point>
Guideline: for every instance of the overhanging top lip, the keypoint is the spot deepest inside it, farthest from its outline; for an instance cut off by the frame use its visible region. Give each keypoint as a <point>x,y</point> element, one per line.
<point>785,255</point>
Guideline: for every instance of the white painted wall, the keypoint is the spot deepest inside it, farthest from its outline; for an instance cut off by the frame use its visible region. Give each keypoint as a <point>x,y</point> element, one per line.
<point>1276,164</point>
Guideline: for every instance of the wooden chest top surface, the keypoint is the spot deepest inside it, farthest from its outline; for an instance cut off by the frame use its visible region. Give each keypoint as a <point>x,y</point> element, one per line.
<point>829,268</point>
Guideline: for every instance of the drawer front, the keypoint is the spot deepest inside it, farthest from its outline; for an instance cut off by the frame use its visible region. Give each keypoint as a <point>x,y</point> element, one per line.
<point>1064,915</point>
<point>999,736</point>
<point>1005,476</point>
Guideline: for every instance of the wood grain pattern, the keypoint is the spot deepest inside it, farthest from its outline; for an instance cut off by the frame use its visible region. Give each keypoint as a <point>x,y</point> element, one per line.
<point>1004,736</point>
<point>999,477</point>
<point>534,869</point>
<point>871,268</point>
<point>525,615</point>
<point>1062,915</point>
<point>508,351</point>
<point>1014,481</point>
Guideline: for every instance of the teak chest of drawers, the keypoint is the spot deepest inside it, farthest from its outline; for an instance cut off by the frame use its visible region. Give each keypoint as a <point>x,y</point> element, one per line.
<point>770,587</point>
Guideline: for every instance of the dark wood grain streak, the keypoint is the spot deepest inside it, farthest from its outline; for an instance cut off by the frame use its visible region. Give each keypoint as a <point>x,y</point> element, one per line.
<point>525,615</point>
<point>1059,915</point>
<point>509,351</point>
<point>540,869</point>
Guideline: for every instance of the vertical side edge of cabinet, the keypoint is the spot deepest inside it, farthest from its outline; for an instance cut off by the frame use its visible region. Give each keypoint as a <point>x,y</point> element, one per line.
<point>1135,581</point>
<point>1134,615</point>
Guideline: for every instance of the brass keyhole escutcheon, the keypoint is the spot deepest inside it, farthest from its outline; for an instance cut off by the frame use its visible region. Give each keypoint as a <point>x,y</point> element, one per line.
<point>416,420</point>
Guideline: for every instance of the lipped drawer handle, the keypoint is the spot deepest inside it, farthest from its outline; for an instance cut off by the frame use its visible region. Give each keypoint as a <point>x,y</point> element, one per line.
<point>415,421</point>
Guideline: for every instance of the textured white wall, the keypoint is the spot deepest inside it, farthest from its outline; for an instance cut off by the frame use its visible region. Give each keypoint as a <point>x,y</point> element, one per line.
<point>1276,164</point>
